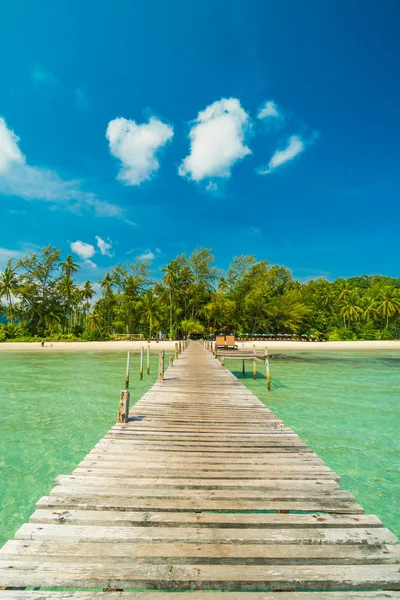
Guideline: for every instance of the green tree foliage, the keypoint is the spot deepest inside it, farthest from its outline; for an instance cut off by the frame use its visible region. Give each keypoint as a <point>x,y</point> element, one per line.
<point>41,295</point>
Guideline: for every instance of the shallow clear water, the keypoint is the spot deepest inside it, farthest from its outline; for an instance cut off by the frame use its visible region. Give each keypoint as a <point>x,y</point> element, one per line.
<point>346,406</point>
<point>54,407</point>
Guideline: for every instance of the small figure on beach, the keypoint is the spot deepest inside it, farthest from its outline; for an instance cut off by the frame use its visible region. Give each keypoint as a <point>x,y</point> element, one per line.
<point>42,343</point>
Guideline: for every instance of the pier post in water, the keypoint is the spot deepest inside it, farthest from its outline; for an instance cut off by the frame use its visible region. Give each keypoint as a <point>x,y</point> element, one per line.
<point>141,363</point>
<point>254,369</point>
<point>171,362</point>
<point>123,408</point>
<point>243,367</point>
<point>148,359</point>
<point>267,373</point>
<point>176,350</point>
<point>128,366</point>
<point>161,366</point>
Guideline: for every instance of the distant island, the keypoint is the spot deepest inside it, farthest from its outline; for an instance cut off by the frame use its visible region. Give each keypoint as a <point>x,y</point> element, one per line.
<point>41,299</point>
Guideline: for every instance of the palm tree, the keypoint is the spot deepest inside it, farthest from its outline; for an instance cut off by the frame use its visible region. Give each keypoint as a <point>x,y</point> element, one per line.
<point>106,284</point>
<point>69,266</point>
<point>87,293</point>
<point>150,307</point>
<point>171,281</point>
<point>67,287</point>
<point>9,285</point>
<point>351,309</point>
<point>344,290</point>
<point>388,302</point>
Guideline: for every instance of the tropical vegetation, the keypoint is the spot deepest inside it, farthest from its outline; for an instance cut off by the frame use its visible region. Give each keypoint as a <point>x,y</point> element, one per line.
<point>42,296</point>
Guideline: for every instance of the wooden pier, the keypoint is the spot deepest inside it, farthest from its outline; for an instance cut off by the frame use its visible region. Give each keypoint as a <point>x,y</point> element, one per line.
<point>203,489</point>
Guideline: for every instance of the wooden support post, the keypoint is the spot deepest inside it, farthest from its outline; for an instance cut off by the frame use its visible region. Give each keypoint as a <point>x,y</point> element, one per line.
<point>180,346</point>
<point>148,359</point>
<point>254,369</point>
<point>161,366</point>
<point>243,367</point>
<point>171,362</point>
<point>176,350</point>
<point>123,409</point>
<point>223,361</point>
<point>128,367</point>
<point>141,363</point>
<point>267,373</point>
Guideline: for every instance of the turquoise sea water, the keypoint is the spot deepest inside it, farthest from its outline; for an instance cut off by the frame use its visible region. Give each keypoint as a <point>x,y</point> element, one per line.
<point>346,406</point>
<point>54,406</point>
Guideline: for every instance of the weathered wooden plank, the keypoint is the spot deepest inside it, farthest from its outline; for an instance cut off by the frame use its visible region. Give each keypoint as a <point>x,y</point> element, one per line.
<point>183,552</point>
<point>223,450</point>
<point>194,577</point>
<point>128,519</point>
<point>98,502</point>
<point>166,472</point>
<point>125,480</point>
<point>369,537</point>
<point>46,595</point>
<point>211,478</point>
<point>94,488</point>
<point>239,458</point>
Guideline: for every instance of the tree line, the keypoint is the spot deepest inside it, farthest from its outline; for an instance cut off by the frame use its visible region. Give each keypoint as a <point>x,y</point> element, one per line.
<point>41,298</point>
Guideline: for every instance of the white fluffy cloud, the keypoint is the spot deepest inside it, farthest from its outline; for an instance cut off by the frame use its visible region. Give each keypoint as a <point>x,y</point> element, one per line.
<point>217,141</point>
<point>82,249</point>
<point>268,109</point>
<point>18,178</point>
<point>295,146</point>
<point>136,146</point>
<point>9,150</point>
<point>104,246</point>
<point>146,255</point>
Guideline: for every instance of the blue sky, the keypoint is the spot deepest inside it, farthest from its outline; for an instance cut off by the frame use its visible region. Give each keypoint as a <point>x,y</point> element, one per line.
<point>252,127</point>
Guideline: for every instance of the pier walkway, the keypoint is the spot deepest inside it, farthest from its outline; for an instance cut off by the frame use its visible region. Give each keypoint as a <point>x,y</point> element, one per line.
<point>203,489</point>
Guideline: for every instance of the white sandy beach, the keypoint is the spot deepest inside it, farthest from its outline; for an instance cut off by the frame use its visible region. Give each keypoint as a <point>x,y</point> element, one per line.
<point>170,346</point>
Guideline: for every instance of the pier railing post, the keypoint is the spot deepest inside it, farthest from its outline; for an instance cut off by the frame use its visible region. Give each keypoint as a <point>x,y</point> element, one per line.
<point>161,366</point>
<point>123,409</point>
<point>223,361</point>
<point>171,362</point>
<point>148,359</point>
<point>141,363</point>
<point>267,373</point>
<point>128,366</point>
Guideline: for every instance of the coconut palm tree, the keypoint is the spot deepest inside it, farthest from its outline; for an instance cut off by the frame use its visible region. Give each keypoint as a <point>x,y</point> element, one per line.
<point>171,279</point>
<point>388,302</point>
<point>150,309</point>
<point>9,285</point>
<point>69,266</point>
<point>106,283</point>
<point>87,291</point>
<point>351,310</point>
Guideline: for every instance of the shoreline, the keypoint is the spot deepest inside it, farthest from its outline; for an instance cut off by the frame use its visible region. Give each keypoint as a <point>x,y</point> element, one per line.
<point>170,346</point>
